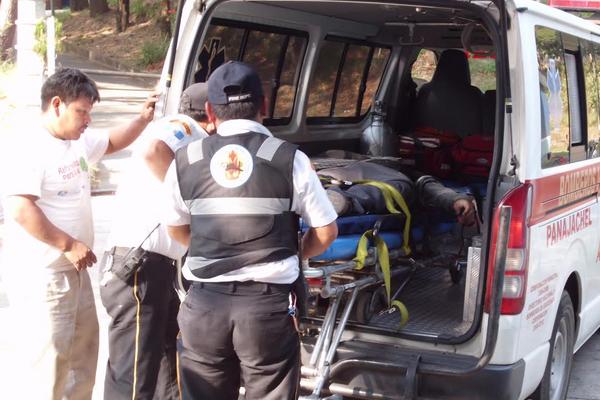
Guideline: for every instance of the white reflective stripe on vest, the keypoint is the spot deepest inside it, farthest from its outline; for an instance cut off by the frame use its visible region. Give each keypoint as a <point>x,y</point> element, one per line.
<point>238,205</point>
<point>194,151</point>
<point>268,148</point>
<point>197,262</point>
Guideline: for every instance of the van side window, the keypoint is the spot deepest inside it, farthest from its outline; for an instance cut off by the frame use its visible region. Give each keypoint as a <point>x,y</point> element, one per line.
<point>483,72</point>
<point>424,67</point>
<point>345,80</point>
<point>275,53</point>
<point>553,98</point>
<point>591,55</point>
<point>574,95</point>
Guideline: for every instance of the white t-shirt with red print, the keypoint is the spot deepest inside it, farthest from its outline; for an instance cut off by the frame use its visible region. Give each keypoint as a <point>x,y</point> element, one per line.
<point>56,172</point>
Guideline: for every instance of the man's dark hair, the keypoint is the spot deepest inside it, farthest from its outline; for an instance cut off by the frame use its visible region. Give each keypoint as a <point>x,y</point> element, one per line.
<point>185,107</point>
<point>69,84</point>
<point>238,110</point>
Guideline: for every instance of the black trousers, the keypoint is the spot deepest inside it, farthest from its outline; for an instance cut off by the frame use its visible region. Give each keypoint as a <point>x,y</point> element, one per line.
<point>143,332</point>
<point>238,333</point>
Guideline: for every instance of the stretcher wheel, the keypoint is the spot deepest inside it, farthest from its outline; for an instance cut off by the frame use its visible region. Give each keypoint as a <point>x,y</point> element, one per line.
<point>456,271</point>
<point>368,304</point>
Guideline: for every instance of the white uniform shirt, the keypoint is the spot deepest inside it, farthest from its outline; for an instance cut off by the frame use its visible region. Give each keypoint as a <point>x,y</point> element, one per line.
<point>139,199</point>
<point>57,172</point>
<point>309,201</point>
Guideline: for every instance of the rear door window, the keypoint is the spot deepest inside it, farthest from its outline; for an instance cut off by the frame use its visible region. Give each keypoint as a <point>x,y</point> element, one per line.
<point>276,53</point>
<point>346,78</point>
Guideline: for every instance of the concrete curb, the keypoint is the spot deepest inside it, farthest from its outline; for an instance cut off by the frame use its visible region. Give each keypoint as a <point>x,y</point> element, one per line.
<point>120,73</point>
<point>93,55</point>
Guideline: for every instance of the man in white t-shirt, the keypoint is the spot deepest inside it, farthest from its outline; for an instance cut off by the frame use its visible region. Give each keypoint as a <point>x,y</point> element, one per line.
<point>143,307</point>
<point>49,237</point>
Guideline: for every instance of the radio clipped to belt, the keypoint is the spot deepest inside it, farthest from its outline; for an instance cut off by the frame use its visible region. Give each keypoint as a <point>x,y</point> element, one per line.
<point>131,261</point>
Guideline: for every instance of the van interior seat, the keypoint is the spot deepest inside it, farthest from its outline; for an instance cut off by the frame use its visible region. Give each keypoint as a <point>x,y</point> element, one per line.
<point>449,103</point>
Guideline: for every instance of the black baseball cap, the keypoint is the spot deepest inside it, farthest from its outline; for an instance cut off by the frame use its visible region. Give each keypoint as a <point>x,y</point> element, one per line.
<point>234,82</point>
<point>193,98</point>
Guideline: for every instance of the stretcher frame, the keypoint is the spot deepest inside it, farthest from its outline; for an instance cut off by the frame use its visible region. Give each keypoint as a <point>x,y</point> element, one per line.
<point>318,370</point>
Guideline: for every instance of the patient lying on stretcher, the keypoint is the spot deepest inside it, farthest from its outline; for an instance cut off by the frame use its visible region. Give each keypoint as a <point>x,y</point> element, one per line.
<point>353,190</point>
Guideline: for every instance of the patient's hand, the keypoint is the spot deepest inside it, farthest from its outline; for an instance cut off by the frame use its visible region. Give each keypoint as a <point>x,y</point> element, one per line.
<point>465,211</point>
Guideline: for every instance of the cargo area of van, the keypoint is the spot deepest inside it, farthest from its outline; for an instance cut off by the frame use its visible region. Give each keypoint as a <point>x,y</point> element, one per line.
<point>410,88</point>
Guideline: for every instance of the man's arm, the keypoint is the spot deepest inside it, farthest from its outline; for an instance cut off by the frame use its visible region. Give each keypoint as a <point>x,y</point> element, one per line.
<point>26,213</point>
<point>158,157</point>
<point>316,240</point>
<point>181,233</point>
<point>433,194</point>
<point>122,136</point>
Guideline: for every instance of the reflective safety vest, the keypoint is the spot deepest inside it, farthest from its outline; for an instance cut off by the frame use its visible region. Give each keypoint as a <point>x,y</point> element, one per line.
<point>239,192</point>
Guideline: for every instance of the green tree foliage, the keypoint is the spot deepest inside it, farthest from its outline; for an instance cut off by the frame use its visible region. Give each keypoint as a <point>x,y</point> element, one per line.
<point>41,43</point>
<point>154,51</point>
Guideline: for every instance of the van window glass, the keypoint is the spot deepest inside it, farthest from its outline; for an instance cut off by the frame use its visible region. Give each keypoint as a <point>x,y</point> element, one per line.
<point>222,44</point>
<point>573,91</point>
<point>289,77</point>
<point>424,67</point>
<point>323,81</point>
<point>554,102</point>
<point>378,63</point>
<point>275,53</point>
<point>345,80</point>
<point>591,55</point>
<point>262,51</point>
<point>347,94</point>
<point>483,72</point>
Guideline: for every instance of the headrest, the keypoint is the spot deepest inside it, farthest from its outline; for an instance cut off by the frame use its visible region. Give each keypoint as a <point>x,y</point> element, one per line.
<point>453,67</point>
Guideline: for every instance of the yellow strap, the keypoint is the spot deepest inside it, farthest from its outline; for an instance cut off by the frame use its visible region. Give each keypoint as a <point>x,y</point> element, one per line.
<point>392,196</point>
<point>403,312</point>
<point>383,258</point>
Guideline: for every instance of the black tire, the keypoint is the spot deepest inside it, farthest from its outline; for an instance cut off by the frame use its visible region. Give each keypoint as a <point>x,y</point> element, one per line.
<point>555,382</point>
<point>368,304</point>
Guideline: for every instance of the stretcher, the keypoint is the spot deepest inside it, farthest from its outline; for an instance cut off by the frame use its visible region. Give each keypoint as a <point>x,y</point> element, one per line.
<point>356,285</point>
<point>354,276</point>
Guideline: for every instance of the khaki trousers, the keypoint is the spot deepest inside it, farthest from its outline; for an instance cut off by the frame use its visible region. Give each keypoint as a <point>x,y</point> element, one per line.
<point>55,316</point>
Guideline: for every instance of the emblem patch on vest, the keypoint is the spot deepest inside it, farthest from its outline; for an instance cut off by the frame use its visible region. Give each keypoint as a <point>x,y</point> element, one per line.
<point>231,166</point>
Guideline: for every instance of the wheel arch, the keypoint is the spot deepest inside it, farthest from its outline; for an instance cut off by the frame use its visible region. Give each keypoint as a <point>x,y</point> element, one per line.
<point>573,288</point>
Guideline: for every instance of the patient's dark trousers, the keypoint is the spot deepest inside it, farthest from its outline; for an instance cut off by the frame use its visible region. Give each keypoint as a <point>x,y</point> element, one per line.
<point>142,333</point>
<point>238,333</point>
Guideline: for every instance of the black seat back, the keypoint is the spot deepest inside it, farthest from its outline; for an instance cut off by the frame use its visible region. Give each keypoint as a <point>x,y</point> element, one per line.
<point>449,103</point>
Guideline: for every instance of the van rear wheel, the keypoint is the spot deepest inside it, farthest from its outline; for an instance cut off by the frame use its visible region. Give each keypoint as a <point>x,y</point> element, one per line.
<point>556,378</point>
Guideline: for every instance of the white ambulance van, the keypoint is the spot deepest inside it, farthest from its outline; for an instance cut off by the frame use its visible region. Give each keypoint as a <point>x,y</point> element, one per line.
<point>518,82</point>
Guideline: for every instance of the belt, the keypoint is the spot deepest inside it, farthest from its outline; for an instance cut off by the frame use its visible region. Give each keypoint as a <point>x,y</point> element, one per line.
<point>246,286</point>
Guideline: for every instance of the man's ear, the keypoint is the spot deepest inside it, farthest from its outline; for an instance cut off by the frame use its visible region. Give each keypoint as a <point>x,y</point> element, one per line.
<point>210,113</point>
<point>55,103</point>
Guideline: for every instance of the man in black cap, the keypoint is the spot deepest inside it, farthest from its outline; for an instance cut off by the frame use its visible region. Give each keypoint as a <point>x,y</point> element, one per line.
<point>235,199</point>
<point>142,302</point>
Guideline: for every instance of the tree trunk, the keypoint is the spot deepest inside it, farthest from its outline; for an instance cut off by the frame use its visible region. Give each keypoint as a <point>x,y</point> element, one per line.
<point>164,19</point>
<point>122,15</point>
<point>98,7</point>
<point>78,5</point>
<point>8,28</point>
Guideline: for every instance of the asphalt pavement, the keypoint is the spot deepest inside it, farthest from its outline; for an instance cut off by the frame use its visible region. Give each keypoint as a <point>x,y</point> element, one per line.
<point>121,98</point>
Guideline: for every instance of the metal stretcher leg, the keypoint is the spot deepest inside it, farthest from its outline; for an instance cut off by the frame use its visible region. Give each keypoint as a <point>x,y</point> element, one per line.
<point>326,330</point>
<point>329,351</point>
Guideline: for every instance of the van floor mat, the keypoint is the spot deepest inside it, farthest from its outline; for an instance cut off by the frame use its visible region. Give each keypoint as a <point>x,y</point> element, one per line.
<point>434,303</point>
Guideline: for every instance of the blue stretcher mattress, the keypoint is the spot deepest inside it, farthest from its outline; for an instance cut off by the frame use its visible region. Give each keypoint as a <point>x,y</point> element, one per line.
<point>362,223</point>
<point>344,247</point>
